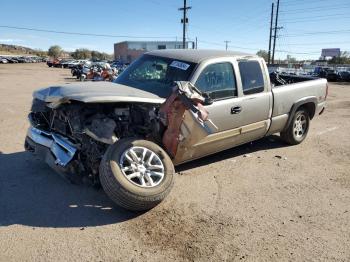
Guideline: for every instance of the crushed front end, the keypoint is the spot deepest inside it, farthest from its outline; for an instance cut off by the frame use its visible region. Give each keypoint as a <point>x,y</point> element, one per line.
<point>73,137</point>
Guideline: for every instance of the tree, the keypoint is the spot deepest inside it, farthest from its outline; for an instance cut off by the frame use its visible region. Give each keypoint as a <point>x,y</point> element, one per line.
<point>344,58</point>
<point>264,54</point>
<point>55,51</point>
<point>106,56</point>
<point>81,53</point>
<point>95,55</point>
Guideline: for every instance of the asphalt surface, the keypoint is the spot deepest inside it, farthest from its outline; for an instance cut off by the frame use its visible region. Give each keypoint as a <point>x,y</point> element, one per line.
<point>263,201</point>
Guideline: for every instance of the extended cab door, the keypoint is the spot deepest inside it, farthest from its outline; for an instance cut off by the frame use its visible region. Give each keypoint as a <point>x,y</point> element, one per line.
<point>255,99</point>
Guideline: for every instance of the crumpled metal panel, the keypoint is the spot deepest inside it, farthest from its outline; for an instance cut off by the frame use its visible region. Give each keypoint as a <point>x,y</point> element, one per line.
<point>60,148</point>
<point>186,120</point>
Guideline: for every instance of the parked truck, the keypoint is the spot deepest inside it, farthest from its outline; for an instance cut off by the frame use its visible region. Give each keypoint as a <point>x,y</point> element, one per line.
<point>167,108</point>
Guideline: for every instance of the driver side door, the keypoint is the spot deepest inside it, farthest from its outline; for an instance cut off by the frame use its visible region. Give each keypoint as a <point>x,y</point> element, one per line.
<point>217,80</point>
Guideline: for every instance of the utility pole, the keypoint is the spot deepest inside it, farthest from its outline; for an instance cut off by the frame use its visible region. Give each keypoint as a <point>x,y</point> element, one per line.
<point>196,43</point>
<point>226,42</point>
<point>275,35</point>
<point>271,23</point>
<point>184,21</point>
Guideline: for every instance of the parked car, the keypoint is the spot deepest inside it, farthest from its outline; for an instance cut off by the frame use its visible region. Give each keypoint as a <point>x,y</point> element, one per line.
<point>12,60</point>
<point>74,63</point>
<point>344,76</point>
<point>167,108</point>
<point>328,73</point>
<point>56,63</point>
<point>63,63</point>
<point>331,75</point>
<point>3,60</point>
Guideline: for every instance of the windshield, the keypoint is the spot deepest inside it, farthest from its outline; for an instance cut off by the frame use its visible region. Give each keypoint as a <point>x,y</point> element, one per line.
<point>155,74</point>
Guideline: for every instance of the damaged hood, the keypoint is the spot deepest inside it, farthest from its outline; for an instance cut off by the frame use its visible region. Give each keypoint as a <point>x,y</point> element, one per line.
<point>91,92</point>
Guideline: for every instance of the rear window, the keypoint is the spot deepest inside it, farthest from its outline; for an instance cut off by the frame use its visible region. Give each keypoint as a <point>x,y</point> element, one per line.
<point>252,77</point>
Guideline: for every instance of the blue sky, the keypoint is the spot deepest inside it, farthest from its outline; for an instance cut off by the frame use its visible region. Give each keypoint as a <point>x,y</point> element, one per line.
<point>308,26</point>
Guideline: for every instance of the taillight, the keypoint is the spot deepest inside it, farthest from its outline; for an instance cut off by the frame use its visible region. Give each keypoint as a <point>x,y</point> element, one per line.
<point>326,91</point>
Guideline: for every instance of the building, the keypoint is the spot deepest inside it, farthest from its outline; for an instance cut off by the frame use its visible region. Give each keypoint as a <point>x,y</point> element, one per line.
<point>128,51</point>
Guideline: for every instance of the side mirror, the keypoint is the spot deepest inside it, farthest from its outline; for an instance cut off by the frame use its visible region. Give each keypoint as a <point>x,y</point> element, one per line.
<point>208,101</point>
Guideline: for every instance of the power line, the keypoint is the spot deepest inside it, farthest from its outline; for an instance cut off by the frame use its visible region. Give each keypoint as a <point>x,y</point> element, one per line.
<point>223,45</point>
<point>319,33</point>
<point>312,20</point>
<point>253,19</point>
<point>320,43</point>
<point>319,8</point>
<point>319,16</point>
<point>84,34</point>
<point>293,3</point>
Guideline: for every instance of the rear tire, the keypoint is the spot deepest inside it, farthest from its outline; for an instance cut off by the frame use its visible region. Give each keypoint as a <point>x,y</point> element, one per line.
<point>297,130</point>
<point>128,175</point>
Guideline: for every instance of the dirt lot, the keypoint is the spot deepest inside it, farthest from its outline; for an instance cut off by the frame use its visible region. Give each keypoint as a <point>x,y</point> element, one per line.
<point>262,201</point>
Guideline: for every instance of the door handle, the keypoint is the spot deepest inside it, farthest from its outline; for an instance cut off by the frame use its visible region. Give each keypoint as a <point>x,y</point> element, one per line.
<point>236,110</point>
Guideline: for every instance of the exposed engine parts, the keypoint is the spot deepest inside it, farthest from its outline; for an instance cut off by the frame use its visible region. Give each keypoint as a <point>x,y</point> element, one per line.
<point>92,127</point>
<point>102,130</point>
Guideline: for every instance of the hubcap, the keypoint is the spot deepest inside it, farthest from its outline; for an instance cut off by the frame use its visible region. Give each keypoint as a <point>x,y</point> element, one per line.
<point>142,167</point>
<point>299,127</point>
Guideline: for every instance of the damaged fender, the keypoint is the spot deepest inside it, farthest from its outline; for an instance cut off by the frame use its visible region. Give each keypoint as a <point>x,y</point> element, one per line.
<point>186,120</point>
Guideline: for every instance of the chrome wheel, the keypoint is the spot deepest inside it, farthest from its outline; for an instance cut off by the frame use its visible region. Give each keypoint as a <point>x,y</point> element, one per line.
<point>300,126</point>
<point>142,167</point>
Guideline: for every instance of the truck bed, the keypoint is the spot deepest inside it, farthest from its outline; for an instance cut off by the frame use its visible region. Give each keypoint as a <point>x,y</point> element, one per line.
<point>287,97</point>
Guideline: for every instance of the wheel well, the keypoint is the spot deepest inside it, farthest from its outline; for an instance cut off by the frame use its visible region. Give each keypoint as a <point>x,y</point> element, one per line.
<point>309,107</point>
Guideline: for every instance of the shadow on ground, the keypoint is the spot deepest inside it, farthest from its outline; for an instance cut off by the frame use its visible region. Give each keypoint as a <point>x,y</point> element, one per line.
<point>32,194</point>
<point>71,79</point>
<point>266,143</point>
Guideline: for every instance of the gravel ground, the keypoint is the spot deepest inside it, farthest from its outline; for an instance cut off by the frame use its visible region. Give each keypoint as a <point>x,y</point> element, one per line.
<point>262,201</point>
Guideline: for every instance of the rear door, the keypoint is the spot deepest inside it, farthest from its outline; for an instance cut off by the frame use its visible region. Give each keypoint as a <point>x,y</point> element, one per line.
<point>255,99</point>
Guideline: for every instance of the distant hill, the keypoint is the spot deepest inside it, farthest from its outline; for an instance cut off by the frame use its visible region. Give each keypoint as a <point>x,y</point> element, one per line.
<point>19,50</point>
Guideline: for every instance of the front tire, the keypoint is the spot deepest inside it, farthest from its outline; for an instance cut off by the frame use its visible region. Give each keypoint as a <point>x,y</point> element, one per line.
<point>136,174</point>
<point>298,128</point>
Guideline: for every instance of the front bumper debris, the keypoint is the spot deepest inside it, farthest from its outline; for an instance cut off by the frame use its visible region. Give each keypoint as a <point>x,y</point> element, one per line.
<point>62,150</point>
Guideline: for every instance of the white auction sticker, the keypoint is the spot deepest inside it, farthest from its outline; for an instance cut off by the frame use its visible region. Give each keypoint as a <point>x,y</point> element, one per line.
<point>180,65</point>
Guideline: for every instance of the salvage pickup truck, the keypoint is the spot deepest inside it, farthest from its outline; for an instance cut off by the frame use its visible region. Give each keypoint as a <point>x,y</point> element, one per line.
<point>166,108</point>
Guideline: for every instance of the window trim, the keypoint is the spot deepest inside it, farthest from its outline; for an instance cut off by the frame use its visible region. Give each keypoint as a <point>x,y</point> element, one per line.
<point>202,66</point>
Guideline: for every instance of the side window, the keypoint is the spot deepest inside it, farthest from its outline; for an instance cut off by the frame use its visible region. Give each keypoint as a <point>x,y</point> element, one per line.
<point>218,81</point>
<point>252,77</point>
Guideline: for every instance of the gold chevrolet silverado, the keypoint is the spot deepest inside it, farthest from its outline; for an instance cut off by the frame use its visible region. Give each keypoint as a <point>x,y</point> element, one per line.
<point>166,108</point>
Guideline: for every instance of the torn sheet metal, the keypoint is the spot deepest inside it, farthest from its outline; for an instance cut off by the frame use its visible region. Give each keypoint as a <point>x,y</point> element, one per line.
<point>186,119</point>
